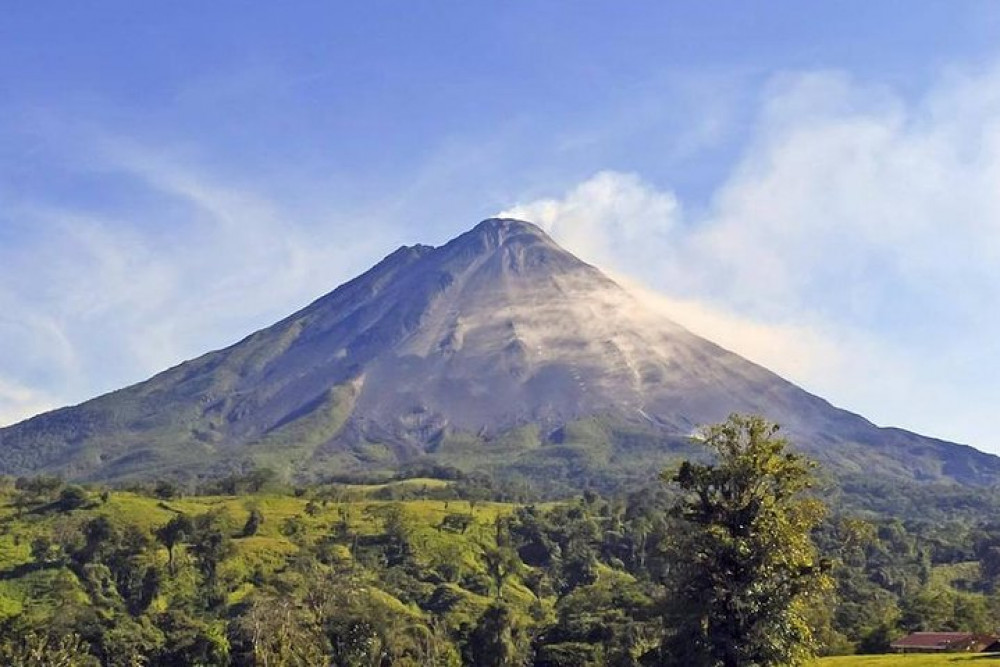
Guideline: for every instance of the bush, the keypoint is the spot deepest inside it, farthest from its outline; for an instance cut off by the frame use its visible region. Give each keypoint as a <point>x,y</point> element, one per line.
<point>72,497</point>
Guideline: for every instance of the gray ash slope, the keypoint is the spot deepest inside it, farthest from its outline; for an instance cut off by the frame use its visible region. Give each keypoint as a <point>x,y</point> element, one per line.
<point>498,350</point>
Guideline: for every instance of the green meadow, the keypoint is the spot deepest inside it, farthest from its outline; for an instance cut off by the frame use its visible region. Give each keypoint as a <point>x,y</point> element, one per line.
<point>909,660</point>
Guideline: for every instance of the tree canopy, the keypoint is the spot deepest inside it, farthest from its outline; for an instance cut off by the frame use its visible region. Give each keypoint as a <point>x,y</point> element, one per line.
<point>717,567</point>
<point>744,568</point>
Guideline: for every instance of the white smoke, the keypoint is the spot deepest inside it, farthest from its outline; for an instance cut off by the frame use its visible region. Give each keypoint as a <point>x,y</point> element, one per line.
<point>854,247</point>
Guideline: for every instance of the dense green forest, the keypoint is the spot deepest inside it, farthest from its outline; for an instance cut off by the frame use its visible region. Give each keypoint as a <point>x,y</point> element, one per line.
<point>442,570</point>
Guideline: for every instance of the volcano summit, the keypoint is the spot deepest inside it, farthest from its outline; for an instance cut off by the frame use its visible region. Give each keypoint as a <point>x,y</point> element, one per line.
<point>498,350</point>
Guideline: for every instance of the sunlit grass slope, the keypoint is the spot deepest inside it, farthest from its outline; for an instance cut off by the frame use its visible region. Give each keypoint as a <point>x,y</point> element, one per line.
<point>290,525</point>
<point>910,660</point>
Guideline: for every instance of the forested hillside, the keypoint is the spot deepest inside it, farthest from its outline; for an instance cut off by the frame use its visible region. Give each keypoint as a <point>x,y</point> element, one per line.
<point>417,572</point>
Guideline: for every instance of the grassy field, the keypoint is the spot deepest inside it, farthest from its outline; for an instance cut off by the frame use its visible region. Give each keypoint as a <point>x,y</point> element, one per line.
<point>910,660</point>
<point>414,484</point>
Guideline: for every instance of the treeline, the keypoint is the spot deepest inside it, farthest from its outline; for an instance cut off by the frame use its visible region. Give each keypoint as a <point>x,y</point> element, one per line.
<point>577,583</point>
<point>381,486</point>
<point>731,562</point>
<point>362,589</point>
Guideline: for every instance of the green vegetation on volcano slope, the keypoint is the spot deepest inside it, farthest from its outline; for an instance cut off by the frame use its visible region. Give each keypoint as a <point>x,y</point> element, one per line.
<point>333,570</point>
<point>420,582</point>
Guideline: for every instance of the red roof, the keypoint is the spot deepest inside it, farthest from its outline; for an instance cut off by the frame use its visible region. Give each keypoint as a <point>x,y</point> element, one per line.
<point>939,640</point>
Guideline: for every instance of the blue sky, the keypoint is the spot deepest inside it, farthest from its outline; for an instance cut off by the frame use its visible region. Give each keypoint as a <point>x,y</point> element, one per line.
<point>814,185</point>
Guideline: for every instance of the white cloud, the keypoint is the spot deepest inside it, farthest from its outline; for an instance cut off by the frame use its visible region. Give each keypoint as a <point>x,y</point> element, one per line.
<point>855,202</point>
<point>796,350</point>
<point>95,301</point>
<point>17,401</point>
<point>172,258</point>
<point>854,247</point>
<point>606,216</point>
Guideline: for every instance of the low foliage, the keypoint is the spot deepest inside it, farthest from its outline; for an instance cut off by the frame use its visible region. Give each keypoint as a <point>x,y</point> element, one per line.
<point>435,571</point>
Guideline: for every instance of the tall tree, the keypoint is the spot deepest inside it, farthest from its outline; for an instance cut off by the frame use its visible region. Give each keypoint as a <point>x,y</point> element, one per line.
<point>745,568</point>
<point>173,533</point>
<point>210,545</point>
<point>498,640</point>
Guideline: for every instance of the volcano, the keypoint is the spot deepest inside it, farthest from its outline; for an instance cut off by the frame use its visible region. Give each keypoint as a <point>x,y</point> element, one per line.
<point>499,351</point>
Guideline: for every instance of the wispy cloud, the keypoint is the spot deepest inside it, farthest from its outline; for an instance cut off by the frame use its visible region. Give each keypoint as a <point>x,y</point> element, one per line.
<point>854,247</point>
<point>607,216</point>
<point>17,401</point>
<point>93,300</point>
<point>176,256</point>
